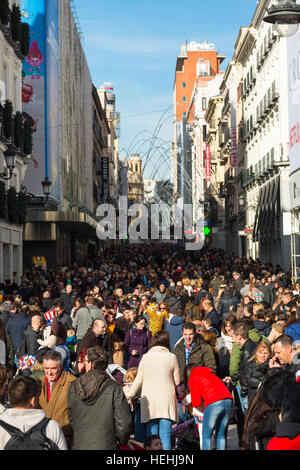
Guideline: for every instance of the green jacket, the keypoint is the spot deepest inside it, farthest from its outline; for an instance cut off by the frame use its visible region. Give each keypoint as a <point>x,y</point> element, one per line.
<point>201,354</point>
<point>236,353</point>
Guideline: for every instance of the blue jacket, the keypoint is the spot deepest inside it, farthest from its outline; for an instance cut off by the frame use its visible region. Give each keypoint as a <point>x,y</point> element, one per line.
<point>174,328</point>
<point>263,327</point>
<point>16,326</point>
<point>293,331</point>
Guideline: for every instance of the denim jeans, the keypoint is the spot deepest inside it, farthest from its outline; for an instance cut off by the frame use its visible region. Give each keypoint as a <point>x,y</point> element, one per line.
<point>243,400</point>
<point>216,417</point>
<point>139,428</point>
<point>182,414</point>
<point>162,428</point>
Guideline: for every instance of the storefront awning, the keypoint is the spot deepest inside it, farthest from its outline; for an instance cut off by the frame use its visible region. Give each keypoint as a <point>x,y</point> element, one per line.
<point>266,210</point>
<point>78,222</point>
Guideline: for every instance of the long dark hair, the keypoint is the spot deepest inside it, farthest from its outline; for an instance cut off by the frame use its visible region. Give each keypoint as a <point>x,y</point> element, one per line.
<point>161,338</point>
<point>256,414</point>
<point>186,375</point>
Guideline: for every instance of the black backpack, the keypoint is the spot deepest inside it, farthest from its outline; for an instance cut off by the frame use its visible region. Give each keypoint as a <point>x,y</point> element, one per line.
<point>34,439</point>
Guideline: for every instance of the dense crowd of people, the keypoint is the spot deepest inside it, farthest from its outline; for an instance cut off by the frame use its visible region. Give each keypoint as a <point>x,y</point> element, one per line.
<point>151,347</point>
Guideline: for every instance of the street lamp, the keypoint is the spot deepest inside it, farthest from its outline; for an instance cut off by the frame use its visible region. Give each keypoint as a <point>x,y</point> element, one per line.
<point>285,16</point>
<point>241,200</point>
<point>46,187</point>
<point>10,160</point>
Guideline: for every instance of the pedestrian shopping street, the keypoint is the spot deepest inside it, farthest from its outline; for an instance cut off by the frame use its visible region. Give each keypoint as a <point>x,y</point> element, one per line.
<point>149,228</point>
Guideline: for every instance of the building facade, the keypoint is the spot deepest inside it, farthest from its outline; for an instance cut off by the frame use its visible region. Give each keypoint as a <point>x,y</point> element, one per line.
<point>253,147</point>
<point>13,40</point>
<point>135,180</point>
<point>266,134</point>
<point>197,77</point>
<point>63,227</point>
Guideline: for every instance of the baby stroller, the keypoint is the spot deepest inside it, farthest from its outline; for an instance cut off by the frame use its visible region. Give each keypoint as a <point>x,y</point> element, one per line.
<point>185,436</point>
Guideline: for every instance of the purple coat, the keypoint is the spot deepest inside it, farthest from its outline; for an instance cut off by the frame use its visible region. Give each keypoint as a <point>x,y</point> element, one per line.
<point>137,340</point>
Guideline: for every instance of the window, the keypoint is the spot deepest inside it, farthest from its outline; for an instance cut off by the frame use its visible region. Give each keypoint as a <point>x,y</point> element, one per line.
<point>184,99</point>
<point>203,68</point>
<point>16,93</point>
<point>4,84</point>
<point>184,85</point>
<point>184,113</point>
<point>204,103</point>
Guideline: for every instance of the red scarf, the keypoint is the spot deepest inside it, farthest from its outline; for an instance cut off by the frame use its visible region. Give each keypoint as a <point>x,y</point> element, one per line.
<point>48,388</point>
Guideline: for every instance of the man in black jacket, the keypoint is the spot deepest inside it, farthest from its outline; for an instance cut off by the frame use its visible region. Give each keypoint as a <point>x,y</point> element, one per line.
<point>212,314</point>
<point>68,299</point>
<point>247,346</point>
<point>32,334</point>
<point>228,303</point>
<point>96,336</point>
<point>63,316</point>
<point>98,410</point>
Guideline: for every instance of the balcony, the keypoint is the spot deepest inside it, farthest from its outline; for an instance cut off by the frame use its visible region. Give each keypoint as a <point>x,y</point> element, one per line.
<point>15,32</point>
<point>230,175</point>
<point>15,129</point>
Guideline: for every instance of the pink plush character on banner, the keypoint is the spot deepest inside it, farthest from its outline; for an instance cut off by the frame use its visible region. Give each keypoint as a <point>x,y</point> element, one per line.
<point>35,58</point>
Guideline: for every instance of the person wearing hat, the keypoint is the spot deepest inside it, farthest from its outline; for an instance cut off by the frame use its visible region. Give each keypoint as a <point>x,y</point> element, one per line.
<point>55,337</point>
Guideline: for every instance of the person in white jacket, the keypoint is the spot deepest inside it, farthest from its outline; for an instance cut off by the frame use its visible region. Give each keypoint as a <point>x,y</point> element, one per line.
<point>22,397</point>
<point>156,381</point>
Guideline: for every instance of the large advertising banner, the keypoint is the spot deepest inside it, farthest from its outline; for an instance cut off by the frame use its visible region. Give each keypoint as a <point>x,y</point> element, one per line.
<point>40,93</point>
<point>207,163</point>
<point>293,57</point>
<point>52,97</point>
<point>233,126</point>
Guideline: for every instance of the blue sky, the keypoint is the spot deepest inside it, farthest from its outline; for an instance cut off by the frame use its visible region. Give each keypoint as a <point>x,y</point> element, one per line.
<point>134,44</point>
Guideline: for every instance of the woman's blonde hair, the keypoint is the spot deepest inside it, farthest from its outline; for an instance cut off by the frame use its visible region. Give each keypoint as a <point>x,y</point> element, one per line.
<point>211,338</point>
<point>257,307</point>
<point>131,374</point>
<point>260,346</point>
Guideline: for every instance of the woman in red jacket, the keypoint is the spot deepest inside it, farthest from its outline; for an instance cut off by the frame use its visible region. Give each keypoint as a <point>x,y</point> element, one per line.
<point>209,392</point>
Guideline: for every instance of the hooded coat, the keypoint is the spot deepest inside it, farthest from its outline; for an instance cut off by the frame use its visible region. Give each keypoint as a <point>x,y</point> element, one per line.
<point>263,327</point>
<point>174,303</point>
<point>27,419</point>
<point>98,412</point>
